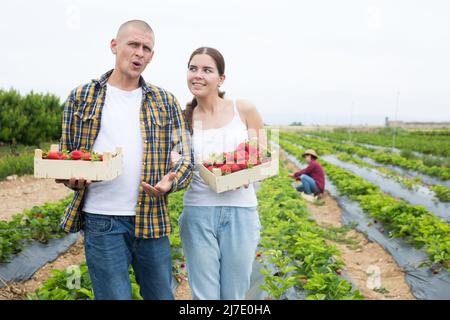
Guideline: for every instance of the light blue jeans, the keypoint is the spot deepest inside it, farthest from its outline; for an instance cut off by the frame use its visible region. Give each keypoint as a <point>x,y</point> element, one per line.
<point>308,185</point>
<point>219,244</point>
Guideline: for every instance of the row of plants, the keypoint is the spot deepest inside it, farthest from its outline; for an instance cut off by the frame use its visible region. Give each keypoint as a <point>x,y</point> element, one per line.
<point>442,193</point>
<point>75,283</point>
<point>409,183</point>
<point>29,119</point>
<point>296,246</point>
<point>427,160</point>
<point>414,224</point>
<point>41,223</point>
<point>427,143</point>
<point>380,156</point>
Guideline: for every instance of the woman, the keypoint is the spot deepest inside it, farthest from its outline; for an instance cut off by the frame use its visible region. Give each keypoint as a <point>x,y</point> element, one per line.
<point>219,231</point>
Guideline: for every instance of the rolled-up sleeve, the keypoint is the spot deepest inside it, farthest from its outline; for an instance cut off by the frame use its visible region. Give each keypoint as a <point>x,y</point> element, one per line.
<point>65,142</point>
<point>181,143</point>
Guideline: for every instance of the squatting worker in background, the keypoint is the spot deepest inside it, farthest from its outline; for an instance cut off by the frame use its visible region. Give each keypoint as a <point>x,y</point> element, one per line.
<point>312,177</point>
<point>126,220</point>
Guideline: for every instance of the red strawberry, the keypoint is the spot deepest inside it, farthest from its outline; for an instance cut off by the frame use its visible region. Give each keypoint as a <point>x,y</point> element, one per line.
<point>53,155</point>
<point>100,157</point>
<point>235,167</point>
<point>210,168</point>
<point>243,165</point>
<point>241,147</point>
<point>76,154</point>
<point>252,150</point>
<point>244,156</point>
<point>252,153</point>
<point>226,169</point>
<point>62,156</point>
<point>229,157</point>
<point>86,156</point>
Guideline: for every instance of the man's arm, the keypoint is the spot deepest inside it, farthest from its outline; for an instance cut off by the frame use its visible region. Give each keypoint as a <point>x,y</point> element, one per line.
<point>307,170</point>
<point>181,143</point>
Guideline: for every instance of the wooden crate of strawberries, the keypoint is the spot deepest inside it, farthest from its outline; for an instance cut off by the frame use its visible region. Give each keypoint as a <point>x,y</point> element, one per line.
<point>245,165</point>
<point>57,164</point>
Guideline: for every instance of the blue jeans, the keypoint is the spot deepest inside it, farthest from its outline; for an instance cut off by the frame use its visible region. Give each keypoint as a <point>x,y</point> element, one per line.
<point>308,185</point>
<point>219,244</point>
<point>110,248</point>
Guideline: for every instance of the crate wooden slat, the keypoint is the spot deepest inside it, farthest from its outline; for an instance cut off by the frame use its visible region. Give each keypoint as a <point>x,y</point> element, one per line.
<point>238,179</point>
<point>108,169</point>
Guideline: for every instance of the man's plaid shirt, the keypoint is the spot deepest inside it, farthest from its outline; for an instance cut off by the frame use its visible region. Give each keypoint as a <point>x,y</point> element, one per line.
<point>163,128</point>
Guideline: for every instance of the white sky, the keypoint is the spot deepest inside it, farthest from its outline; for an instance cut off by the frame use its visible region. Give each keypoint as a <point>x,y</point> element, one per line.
<point>337,62</point>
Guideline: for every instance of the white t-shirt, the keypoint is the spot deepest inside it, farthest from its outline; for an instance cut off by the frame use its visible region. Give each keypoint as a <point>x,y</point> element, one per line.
<point>208,141</point>
<point>119,127</point>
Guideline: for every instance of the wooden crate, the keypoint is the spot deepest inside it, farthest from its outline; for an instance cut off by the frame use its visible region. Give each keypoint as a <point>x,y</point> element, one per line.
<point>108,169</point>
<point>238,179</point>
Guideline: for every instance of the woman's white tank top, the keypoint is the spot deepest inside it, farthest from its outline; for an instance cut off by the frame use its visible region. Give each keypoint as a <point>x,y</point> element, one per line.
<point>206,142</point>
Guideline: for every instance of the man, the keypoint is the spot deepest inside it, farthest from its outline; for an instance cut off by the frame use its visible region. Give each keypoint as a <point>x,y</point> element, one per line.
<point>312,177</point>
<point>126,220</point>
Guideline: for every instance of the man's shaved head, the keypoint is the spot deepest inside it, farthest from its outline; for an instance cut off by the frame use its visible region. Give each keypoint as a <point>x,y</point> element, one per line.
<point>138,24</point>
<point>133,48</point>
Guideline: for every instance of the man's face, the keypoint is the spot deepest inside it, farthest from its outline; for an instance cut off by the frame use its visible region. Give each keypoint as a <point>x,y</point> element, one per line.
<point>308,158</point>
<point>134,51</point>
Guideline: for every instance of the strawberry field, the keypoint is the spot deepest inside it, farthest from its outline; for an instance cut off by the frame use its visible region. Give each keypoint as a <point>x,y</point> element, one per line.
<point>381,232</point>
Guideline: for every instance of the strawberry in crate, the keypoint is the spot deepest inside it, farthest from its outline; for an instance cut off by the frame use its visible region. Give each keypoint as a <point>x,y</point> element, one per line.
<point>74,155</point>
<point>246,156</point>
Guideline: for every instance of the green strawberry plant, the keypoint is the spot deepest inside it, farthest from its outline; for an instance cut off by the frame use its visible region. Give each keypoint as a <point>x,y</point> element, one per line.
<point>40,224</point>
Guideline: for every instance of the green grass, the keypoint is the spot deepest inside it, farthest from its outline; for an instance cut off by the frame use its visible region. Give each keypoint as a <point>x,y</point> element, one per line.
<point>18,159</point>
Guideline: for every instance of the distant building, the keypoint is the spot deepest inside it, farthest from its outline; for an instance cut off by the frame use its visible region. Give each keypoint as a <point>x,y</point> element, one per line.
<point>416,125</point>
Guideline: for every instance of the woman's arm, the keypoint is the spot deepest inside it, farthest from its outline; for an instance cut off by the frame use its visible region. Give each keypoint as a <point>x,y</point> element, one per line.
<point>253,121</point>
<point>308,170</point>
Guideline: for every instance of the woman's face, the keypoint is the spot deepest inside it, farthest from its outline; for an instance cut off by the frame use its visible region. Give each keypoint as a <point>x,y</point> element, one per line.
<point>203,78</point>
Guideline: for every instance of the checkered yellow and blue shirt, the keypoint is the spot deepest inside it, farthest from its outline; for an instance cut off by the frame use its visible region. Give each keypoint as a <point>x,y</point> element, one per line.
<point>163,128</point>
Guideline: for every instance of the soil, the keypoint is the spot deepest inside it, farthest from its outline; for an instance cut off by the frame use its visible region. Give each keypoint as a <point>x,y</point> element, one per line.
<point>183,291</point>
<point>360,262</point>
<point>26,192</point>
